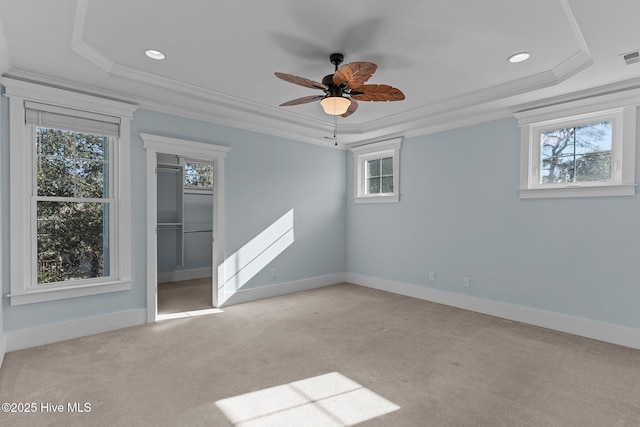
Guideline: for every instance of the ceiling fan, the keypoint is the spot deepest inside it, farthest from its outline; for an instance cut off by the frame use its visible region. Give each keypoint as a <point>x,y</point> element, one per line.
<point>344,88</point>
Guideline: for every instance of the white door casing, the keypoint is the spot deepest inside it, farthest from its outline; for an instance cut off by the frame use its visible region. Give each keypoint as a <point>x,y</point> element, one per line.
<point>155,144</point>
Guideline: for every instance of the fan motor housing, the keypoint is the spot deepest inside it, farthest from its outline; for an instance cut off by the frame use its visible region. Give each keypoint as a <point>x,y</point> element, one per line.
<point>328,80</point>
<point>332,89</point>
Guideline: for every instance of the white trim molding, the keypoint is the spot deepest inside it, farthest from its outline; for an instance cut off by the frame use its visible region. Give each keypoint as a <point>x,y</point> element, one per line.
<point>155,144</point>
<point>55,332</point>
<point>23,291</point>
<point>607,332</point>
<point>620,109</point>
<point>376,150</point>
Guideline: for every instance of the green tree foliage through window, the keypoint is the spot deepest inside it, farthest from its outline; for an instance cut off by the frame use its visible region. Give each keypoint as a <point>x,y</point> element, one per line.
<point>72,204</point>
<point>576,154</point>
<point>198,175</point>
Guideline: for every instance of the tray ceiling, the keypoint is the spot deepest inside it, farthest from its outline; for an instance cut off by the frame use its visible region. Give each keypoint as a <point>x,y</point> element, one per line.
<point>449,58</point>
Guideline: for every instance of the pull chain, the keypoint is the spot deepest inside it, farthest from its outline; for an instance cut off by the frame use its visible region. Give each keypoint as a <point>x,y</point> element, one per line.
<point>335,129</point>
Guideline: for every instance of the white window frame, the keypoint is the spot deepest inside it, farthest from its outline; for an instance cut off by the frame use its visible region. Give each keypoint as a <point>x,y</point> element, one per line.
<point>620,109</point>
<point>22,238</point>
<point>377,150</point>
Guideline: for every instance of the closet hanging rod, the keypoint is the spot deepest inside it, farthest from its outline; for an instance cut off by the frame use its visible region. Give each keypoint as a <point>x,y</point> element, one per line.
<point>198,231</point>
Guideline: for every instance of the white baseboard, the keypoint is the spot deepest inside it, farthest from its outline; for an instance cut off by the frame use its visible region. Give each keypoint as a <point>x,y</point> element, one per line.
<point>608,332</point>
<point>616,334</point>
<point>180,275</point>
<point>279,289</point>
<point>3,347</point>
<point>54,332</point>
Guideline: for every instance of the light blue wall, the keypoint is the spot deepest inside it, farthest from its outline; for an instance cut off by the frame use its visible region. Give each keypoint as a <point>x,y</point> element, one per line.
<point>272,178</point>
<point>265,177</point>
<point>460,215</point>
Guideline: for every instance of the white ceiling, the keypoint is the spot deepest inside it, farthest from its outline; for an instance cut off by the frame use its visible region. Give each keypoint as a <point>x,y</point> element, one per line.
<point>449,58</point>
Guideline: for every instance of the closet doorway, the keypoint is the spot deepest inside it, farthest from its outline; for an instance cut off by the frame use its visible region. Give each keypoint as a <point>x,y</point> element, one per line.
<point>184,234</point>
<point>177,219</point>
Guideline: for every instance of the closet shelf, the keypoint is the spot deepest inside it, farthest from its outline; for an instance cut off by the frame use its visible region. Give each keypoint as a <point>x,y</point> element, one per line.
<point>168,168</point>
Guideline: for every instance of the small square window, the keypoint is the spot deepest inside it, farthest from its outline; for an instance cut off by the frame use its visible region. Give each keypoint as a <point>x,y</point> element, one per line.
<point>198,175</point>
<point>585,148</point>
<point>376,171</point>
<point>380,176</point>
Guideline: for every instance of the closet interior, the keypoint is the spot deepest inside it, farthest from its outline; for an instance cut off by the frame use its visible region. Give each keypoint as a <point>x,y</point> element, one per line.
<point>184,234</point>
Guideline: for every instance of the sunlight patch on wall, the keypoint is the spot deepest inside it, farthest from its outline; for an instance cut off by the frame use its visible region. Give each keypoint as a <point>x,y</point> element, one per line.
<point>250,259</point>
<point>326,400</point>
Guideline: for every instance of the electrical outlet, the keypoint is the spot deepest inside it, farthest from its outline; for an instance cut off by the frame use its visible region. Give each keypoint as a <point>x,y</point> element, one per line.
<point>467,282</point>
<point>274,273</point>
<point>432,276</point>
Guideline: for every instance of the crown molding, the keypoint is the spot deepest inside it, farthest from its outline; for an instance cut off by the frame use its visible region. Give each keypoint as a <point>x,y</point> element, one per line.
<point>430,121</point>
<point>613,88</point>
<point>191,101</point>
<point>210,105</point>
<point>62,96</point>
<point>581,105</point>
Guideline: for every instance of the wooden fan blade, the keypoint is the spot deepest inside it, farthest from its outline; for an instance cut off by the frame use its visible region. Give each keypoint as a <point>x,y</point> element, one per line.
<point>352,108</point>
<point>300,81</point>
<point>377,93</point>
<point>354,75</point>
<point>303,100</point>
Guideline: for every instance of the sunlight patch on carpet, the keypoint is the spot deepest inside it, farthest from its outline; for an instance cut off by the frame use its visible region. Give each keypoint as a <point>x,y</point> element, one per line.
<point>326,400</point>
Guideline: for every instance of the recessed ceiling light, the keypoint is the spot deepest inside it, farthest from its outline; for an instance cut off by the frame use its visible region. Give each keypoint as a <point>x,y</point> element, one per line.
<point>154,54</point>
<point>518,57</point>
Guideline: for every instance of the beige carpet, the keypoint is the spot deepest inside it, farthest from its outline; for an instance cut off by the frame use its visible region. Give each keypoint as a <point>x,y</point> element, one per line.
<point>441,366</point>
<point>186,295</point>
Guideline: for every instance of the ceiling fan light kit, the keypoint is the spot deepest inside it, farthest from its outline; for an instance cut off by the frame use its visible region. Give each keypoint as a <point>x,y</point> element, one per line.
<point>344,88</point>
<point>335,105</point>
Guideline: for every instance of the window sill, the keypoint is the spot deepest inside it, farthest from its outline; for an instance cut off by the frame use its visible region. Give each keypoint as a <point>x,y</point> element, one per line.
<point>52,294</point>
<point>577,191</point>
<point>377,199</point>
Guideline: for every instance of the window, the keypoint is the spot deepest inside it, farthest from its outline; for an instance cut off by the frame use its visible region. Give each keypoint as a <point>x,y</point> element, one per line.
<point>580,153</point>
<point>377,168</point>
<point>73,200</point>
<point>198,175</point>
<point>379,176</point>
<point>584,148</point>
<point>70,202</point>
